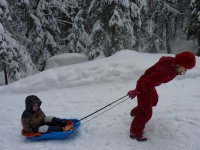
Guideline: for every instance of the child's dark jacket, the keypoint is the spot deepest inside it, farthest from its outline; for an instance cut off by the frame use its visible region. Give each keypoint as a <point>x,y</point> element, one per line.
<point>30,120</point>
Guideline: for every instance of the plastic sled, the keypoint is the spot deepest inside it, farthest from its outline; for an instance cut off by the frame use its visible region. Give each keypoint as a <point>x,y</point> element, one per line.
<point>53,135</point>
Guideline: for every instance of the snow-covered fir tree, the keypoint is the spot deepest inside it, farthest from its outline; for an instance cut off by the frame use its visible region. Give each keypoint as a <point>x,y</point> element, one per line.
<point>158,24</point>
<point>115,25</point>
<point>194,24</point>
<point>43,20</point>
<point>16,58</point>
<point>35,26</point>
<point>16,61</point>
<point>180,21</point>
<point>41,29</point>
<point>78,38</point>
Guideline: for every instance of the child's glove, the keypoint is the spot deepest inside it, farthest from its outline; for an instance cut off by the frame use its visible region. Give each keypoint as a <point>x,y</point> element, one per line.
<point>133,93</point>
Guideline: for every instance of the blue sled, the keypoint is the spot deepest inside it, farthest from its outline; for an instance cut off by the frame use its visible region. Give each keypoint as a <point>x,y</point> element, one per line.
<point>57,135</point>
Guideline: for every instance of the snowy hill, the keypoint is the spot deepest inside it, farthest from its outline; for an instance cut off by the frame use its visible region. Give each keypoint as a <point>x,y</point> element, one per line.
<point>65,59</point>
<point>77,90</point>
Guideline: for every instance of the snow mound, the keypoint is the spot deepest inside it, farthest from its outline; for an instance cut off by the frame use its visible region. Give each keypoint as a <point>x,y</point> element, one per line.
<point>124,66</point>
<point>65,59</point>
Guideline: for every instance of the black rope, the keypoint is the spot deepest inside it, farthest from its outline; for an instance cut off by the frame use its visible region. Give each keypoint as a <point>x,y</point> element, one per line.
<point>104,111</point>
<point>102,108</point>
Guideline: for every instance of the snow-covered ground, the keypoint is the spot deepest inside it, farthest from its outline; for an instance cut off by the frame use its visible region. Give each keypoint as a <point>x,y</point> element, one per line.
<point>78,90</point>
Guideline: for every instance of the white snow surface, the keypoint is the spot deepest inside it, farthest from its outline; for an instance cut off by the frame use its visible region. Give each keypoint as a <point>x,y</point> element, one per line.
<point>65,59</point>
<point>75,91</point>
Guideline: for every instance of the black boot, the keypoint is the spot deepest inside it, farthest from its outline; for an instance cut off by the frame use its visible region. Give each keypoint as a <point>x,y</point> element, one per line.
<point>62,123</point>
<point>138,138</point>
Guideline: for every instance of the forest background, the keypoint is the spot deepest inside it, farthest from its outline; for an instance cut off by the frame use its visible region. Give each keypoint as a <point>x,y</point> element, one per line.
<point>31,31</point>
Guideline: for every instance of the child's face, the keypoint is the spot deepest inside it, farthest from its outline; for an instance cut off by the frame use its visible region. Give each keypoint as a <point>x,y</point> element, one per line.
<point>35,107</point>
<point>181,70</point>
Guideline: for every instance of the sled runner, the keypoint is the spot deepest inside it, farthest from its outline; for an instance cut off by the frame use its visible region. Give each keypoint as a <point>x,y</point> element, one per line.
<point>52,135</point>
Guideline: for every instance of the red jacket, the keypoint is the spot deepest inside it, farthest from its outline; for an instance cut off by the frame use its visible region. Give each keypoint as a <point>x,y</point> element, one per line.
<point>162,72</point>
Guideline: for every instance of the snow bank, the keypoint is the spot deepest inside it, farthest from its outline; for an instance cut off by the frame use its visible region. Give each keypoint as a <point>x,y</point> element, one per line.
<point>124,66</point>
<point>65,59</point>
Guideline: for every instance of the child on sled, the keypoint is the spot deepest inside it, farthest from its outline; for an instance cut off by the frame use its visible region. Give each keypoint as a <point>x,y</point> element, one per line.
<point>34,120</point>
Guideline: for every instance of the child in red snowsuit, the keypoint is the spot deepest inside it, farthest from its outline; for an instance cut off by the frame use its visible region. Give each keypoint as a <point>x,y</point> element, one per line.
<point>166,69</point>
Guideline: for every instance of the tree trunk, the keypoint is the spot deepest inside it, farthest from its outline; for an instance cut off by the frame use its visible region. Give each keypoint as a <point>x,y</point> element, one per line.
<point>151,39</point>
<point>198,50</point>
<point>175,26</point>
<point>161,36</point>
<point>155,32</point>
<point>168,43</point>
<point>5,74</point>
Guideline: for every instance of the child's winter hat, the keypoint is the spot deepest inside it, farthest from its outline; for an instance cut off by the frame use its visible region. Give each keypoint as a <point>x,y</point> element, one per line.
<point>31,100</point>
<point>186,59</point>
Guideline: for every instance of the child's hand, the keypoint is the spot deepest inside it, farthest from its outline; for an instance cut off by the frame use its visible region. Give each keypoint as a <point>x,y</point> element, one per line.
<point>133,93</point>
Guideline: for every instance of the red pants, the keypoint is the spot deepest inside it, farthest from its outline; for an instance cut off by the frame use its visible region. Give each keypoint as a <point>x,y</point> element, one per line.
<point>143,111</point>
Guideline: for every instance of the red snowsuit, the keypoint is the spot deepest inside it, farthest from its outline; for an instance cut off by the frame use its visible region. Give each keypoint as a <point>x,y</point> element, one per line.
<point>162,72</point>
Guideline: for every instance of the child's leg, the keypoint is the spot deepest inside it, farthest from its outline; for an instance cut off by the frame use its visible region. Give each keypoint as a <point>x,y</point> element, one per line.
<point>52,121</point>
<point>134,111</point>
<point>144,113</point>
<point>46,129</point>
<point>50,124</point>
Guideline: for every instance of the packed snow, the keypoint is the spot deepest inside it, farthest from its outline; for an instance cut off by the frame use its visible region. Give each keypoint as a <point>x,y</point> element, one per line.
<point>77,90</point>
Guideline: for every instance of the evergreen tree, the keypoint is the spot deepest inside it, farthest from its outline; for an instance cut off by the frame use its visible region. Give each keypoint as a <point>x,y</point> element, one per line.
<point>16,58</point>
<point>16,62</point>
<point>157,20</point>
<point>194,25</point>
<point>180,23</point>
<point>35,25</point>
<point>115,25</point>
<point>78,38</point>
<point>149,31</point>
<point>40,22</point>
<point>41,30</point>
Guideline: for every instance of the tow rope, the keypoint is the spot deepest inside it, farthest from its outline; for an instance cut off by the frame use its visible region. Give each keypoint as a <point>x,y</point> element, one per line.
<point>104,108</point>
